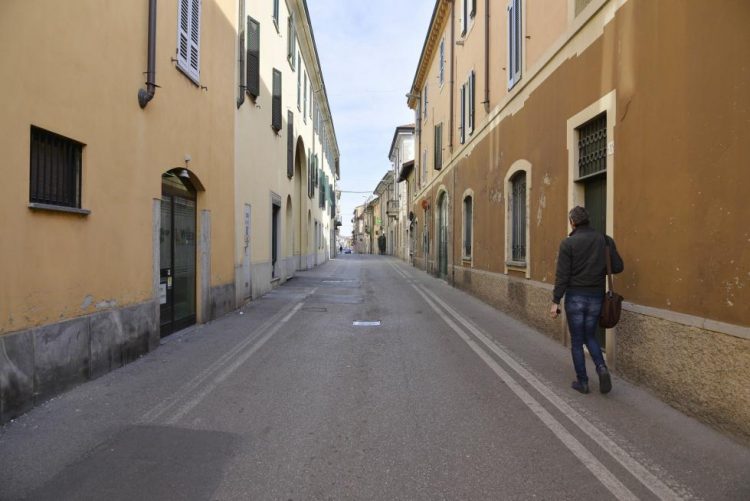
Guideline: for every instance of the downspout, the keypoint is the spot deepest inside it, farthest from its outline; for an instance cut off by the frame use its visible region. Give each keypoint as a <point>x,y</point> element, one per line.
<point>453,49</point>
<point>146,95</point>
<point>486,56</point>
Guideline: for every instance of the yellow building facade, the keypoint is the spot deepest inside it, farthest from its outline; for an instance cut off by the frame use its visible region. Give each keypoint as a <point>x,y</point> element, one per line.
<point>126,176</point>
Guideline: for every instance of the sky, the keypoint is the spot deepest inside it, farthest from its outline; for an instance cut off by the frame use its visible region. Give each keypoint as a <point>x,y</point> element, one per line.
<point>368,52</point>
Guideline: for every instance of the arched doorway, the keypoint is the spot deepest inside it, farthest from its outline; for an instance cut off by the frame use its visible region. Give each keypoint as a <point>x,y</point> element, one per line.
<point>299,235</point>
<point>442,235</point>
<point>177,250</point>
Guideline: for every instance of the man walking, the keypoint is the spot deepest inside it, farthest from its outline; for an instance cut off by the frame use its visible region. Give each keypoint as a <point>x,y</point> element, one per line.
<point>580,277</point>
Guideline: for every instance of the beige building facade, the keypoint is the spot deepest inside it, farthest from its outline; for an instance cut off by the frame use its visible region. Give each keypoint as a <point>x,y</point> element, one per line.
<point>286,154</point>
<point>530,108</point>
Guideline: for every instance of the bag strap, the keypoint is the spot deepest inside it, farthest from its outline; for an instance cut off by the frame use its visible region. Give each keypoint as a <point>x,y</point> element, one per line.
<point>608,259</point>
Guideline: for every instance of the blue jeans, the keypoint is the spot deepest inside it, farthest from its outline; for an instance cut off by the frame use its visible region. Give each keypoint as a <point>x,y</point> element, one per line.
<point>583,321</point>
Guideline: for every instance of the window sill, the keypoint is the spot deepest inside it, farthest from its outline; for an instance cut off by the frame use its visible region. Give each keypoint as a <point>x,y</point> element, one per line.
<point>516,265</point>
<point>59,208</point>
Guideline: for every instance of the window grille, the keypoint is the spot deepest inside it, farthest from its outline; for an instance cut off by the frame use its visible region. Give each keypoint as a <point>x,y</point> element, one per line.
<point>55,169</point>
<point>518,214</point>
<point>592,146</point>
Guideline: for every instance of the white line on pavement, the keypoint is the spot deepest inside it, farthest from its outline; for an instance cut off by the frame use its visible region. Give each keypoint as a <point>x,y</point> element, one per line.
<point>224,374</point>
<point>648,479</point>
<point>185,390</point>
<point>600,471</point>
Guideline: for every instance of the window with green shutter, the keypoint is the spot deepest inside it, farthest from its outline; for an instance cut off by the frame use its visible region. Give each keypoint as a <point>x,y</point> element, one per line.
<point>276,101</point>
<point>252,78</point>
<point>290,145</point>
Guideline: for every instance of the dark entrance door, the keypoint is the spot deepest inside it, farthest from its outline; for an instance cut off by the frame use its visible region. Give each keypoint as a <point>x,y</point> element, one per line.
<point>177,255</point>
<point>443,236</point>
<point>596,205</point>
<point>275,211</point>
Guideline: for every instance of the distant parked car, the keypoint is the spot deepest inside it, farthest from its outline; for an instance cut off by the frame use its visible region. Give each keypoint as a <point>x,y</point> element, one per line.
<point>347,251</point>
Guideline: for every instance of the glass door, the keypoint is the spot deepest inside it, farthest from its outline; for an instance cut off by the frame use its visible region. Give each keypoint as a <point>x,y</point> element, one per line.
<point>177,256</point>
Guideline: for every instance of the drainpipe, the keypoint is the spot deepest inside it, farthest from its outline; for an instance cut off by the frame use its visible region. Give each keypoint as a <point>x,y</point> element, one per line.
<point>453,49</point>
<point>146,95</point>
<point>486,56</point>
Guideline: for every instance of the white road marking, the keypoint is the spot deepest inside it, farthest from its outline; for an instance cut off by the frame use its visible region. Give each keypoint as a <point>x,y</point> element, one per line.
<point>648,479</point>
<point>224,374</point>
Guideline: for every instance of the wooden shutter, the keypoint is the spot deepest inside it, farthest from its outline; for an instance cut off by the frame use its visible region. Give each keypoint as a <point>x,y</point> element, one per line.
<point>276,106</point>
<point>470,106</point>
<point>290,145</point>
<point>253,57</point>
<point>462,119</point>
<point>188,37</point>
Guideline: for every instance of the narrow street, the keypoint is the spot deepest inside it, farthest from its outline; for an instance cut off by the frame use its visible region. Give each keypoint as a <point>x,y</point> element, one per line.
<point>287,398</point>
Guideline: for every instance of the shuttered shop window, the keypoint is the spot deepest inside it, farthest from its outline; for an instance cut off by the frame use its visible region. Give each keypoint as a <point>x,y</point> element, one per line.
<point>253,57</point>
<point>188,37</point>
<point>276,109</point>
<point>55,169</point>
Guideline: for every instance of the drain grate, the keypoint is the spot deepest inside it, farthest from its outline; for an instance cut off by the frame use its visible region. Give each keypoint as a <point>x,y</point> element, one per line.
<point>366,323</point>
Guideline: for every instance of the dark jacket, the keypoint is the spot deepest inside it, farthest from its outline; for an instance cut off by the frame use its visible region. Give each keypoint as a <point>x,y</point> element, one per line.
<point>581,265</point>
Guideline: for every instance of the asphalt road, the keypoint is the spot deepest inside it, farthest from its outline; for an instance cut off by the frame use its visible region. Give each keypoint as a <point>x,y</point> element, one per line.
<point>287,399</point>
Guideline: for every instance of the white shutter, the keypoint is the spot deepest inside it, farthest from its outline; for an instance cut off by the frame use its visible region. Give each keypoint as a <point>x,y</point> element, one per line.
<point>462,123</point>
<point>514,42</point>
<point>188,37</point>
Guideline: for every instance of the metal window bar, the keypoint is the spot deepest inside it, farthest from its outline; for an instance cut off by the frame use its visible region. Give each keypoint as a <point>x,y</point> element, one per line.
<point>592,146</point>
<point>55,170</point>
<point>519,218</point>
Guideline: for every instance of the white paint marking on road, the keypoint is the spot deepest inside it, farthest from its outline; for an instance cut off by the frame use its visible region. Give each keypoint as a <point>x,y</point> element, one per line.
<point>366,323</point>
<point>224,374</point>
<point>599,471</point>
<point>648,479</point>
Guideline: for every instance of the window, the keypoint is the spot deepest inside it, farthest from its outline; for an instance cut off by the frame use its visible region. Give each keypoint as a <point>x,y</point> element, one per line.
<point>439,146</point>
<point>441,75</point>
<point>55,169</point>
<point>423,177</point>
<point>470,103</point>
<point>464,16</point>
<point>253,57</point>
<point>517,204</point>
<point>312,101</point>
<point>242,51</point>
<point>592,146</point>
<point>291,41</point>
<point>290,144</point>
<point>468,222</point>
<point>304,109</point>
<point>514,42</point>
<point>424,106</point>
<point>462,116</point>
<point>276,105</point>
<point>189,37</point>
<point>426,233</point>
<point>275,13</point>
<point>299,84</point>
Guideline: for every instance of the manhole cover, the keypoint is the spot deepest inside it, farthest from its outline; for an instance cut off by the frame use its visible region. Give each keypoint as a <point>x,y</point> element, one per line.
<point>366,323</point>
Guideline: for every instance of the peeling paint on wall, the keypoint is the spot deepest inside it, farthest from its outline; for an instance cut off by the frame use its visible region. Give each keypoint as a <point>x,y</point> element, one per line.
<point>496,196</point>
<point>87,301</point>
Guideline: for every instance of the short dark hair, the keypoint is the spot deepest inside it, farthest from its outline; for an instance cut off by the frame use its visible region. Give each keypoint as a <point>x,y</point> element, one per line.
<point>578,215</point>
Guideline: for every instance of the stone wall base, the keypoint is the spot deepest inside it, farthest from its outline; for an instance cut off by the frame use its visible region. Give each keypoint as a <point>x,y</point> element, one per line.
<point>703,373</point>
<point>37,364</point>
